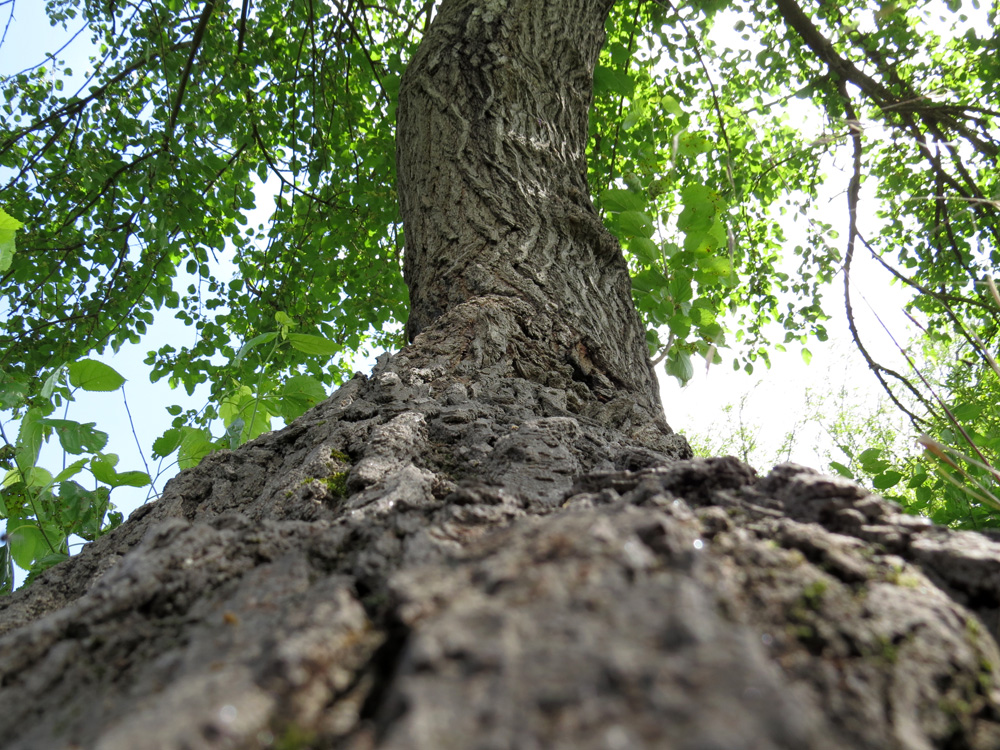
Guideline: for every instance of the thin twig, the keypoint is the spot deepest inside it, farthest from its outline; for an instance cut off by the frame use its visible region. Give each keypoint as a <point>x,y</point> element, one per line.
<point>853,193</point>
<point>131,424</point>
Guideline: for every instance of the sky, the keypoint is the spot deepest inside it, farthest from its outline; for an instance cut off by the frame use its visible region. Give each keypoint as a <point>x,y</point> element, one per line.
<point>773,399</point>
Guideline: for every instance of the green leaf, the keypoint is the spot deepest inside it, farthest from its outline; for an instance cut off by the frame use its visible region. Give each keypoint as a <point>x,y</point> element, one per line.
<point>649,280</point>
<point>967,412</point>
<point>715,265</point>
<point>11,478</point>
<point>236,404</point>
<point>256,423</point>
<point>644,249</point>
<point>255,341</point>
<point>616,199</point>
<point>195,445</point>
<point>806,355</point>
<point>12,393</point>
<point>870,454</point>
<point>692,144</point>
<point>8,228</point>
<point>247,412</point>
<point>309,344</point>
<point>700,208</point>
<point>91,375</point>
<point>38,476</point>
<point>918,477</point>
<point>299,394</point>
<point>132,479</point>
<point>871,461</point>
<point>670,105</point>
<point>841,469</point>
<point>635,114</point>
<point>6,570</point>
<point>29,438</point>
<point>77,438</point>
<point>103,469</point>
<point>886,480</point>
<point>611,79</point>
<point>51,381</point>
<point>679,287</point>
<point>72,470</point>
<point>75,503</point>
<point>636,224</point>
<point>680,325</point>
<point>653,342</point>
<point>702,317</point>
<point>167,443</point>
<point>679,365</point>
<point>25,543</point>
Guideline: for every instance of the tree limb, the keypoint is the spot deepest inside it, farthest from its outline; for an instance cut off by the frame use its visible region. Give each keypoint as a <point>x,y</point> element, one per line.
<point>199,34</point>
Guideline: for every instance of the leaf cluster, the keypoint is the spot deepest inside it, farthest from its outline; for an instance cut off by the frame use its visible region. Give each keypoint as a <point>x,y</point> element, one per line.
<point>137,178</point>
<point>43,510</point>
<point>713,121</point>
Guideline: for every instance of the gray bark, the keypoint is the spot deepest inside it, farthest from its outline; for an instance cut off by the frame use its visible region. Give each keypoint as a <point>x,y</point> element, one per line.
<point>485,546</point>
<point>491,152</point>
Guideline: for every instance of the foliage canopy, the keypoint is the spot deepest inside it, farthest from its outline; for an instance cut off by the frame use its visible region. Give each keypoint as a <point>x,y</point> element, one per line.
<point>136,177</point>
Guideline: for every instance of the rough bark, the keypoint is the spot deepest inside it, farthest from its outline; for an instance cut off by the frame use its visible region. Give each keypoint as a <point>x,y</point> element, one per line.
<point>491,151</point>
<point>477,547</point>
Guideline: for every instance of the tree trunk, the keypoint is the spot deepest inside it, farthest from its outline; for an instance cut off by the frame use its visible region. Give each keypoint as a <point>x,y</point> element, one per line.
<point>495,541</point>
<point>491,149</point>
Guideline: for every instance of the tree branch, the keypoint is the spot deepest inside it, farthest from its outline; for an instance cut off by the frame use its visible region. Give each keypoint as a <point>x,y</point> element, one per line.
<point>853,192</point>
<point>199,35</point>
<point>886,100</point>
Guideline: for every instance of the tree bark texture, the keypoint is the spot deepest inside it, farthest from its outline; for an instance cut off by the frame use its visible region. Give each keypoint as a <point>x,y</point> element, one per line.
<point>464,552</point>
<point>491,152</point>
